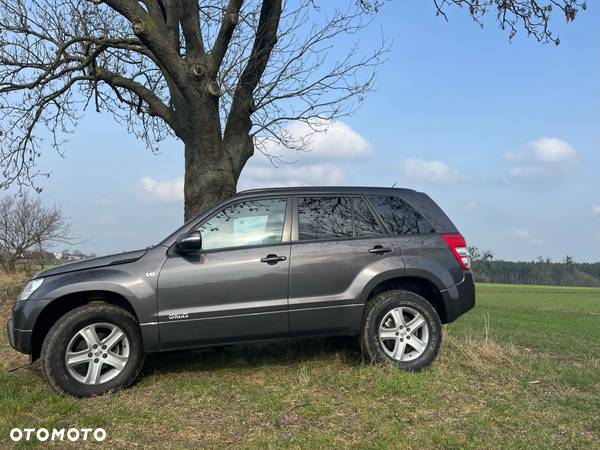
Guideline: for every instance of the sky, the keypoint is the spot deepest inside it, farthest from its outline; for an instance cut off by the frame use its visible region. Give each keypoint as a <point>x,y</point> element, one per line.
<point>505,136</point>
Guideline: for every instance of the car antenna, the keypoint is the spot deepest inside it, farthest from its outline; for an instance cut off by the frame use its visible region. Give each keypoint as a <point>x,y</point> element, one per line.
<point>394,185</point>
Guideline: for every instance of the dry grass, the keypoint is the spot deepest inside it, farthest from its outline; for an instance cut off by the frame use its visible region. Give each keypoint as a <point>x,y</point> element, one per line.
<point>482,392</point>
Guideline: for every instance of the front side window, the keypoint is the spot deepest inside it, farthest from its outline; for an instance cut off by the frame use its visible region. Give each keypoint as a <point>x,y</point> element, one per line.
<point>399,216</point>
<point>335,218</point>
<point>255,222</point>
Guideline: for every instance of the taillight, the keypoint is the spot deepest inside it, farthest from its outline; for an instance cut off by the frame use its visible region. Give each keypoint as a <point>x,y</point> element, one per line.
<point>458,245</point>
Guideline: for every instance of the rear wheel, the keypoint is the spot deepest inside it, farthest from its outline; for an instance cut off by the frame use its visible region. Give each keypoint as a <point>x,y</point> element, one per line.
<point>401,328</point>
<point>92,350</point>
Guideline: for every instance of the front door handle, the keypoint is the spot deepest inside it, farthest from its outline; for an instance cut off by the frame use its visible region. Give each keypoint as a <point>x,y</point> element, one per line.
<point>272,259</point>
<point>380,250</point>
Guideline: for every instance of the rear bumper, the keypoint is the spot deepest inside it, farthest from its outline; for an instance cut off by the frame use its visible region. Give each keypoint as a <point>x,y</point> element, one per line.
<point>459,298</point>
<point>18,339</point>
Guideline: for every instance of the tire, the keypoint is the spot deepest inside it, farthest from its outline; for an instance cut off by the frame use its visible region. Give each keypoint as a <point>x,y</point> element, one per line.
<point>93,369</point>
<point>386,336</point>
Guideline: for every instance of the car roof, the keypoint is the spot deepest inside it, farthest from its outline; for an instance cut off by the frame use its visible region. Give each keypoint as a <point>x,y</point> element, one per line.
<point>322,189</point>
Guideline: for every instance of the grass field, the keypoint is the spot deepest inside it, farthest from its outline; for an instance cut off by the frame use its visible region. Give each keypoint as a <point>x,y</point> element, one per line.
<point>522,370</point>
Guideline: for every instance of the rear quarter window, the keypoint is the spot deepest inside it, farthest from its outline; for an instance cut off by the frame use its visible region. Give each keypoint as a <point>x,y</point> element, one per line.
<point>400,217</point>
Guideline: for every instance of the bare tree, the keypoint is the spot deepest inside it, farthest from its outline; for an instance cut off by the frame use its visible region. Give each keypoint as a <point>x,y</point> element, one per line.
<point>26,225</point>
<point>224,76</point>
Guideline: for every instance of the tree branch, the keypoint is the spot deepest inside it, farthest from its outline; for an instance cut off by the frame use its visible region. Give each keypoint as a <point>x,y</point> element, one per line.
<point>156,9</point>
<point>238,122</point>
<point>157,107</point>
<point>154,35</point>
<point>190,24</point>
<point>228,23</point>
<point>530,15</point>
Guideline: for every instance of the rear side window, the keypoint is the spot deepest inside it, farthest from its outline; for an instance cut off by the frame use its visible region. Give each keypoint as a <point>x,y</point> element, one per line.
<point>365,223</point>
<point>399,216</point>
<point>335,218</point>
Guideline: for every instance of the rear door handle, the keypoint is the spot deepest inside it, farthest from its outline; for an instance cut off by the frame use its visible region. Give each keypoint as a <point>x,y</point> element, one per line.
<point>272,259</point>
<point>380,250</point>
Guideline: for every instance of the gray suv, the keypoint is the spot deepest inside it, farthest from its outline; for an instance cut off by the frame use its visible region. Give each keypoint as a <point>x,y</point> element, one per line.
<point>386,265</point>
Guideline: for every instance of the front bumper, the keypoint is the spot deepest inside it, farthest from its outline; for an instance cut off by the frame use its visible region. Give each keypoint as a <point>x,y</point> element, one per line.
<point>459,298</point>
<point>18,339</point>
<point>20,326</point>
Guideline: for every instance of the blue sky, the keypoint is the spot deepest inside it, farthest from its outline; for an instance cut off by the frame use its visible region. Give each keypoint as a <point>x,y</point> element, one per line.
<point>504,136</point>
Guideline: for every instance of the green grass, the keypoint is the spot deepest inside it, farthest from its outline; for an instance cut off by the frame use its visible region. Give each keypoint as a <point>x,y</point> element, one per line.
<point>522,370</point>
<point>561,322</point>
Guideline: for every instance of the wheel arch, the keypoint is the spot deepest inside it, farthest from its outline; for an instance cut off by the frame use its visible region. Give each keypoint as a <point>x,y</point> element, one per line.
<point>62,305</point>
<point>419,285</point>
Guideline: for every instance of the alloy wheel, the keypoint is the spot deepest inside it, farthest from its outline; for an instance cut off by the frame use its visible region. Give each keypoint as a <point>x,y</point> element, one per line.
<point>403,334</point>
<point>97,353</point>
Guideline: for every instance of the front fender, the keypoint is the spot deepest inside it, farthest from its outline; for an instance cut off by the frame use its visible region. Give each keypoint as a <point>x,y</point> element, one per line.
<point>117,281</point>
<point>138,289</point>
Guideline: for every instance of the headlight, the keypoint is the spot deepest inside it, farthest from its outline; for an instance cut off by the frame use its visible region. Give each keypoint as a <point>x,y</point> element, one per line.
<point>30,288</point>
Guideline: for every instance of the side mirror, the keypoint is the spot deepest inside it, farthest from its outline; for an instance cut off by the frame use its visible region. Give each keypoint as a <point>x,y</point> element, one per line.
<point>189,242</point>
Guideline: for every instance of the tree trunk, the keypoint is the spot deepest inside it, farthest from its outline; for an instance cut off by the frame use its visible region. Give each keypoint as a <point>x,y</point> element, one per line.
<point>209,178</point>
<point>4,263</point>
<point>41,254</point>
<point>11,263</point>
<point>212,163</point>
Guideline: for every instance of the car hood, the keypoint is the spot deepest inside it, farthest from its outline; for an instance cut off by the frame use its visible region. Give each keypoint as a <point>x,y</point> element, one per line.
<point>102,261</point>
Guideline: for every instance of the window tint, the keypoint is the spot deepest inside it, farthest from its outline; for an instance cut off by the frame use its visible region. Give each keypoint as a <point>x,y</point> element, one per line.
<point>257,222</point>
<point>334,218</point>
<point>399,216</point>
<point>365,223</point>
<point>324,217</point>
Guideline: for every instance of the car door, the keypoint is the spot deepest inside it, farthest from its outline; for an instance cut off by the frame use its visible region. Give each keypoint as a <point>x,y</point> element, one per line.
<point>337,243</point>
<point>236,287</point>
<point>424,250</point>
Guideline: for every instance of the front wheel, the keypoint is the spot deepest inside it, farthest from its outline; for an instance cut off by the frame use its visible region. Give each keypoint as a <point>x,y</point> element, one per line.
<point>402,328</point>
<point>92,350</point>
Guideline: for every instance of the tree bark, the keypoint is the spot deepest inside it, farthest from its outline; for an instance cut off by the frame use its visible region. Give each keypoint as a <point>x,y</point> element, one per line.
<point>209,178</point>
<point>5,263</point>
<point>10,264</point>
<point>212,170</point>
<point>213,162</point>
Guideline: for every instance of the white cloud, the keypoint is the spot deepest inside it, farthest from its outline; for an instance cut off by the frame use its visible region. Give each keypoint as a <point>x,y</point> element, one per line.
<point>321,164</point>
<point>541,160</point>
<point>526,172</point>
<point>523,234</point>
<point>552,150</point>
<point>291,175</point>
<point>596,210</point>
<point>102,201</point>
<point>106,219</point>
<point>334,140</point>
<point>434,172</point>
<point>472,206</point>
<point>162,191</point>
